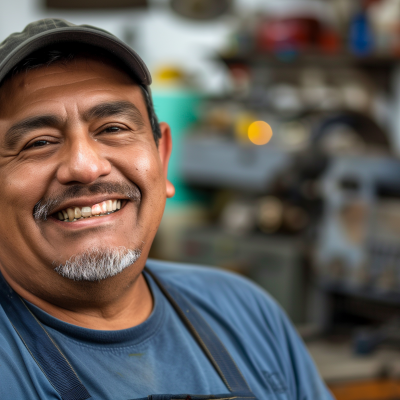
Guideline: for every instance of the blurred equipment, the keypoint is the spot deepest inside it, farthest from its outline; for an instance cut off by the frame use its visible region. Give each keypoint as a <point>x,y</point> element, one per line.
<point>366,341</point>
<point>217,162</point>
<point>275,264</point>
<point>359,234</point>
<point>201,10</point>
<point>95,4</point>
<point>299,147</point>
<point>358,132</point>
<point>270,214</point>
<point>385,19</point>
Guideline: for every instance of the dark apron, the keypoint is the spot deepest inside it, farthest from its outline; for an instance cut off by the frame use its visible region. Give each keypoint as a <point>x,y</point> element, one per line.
<point>66,382</point>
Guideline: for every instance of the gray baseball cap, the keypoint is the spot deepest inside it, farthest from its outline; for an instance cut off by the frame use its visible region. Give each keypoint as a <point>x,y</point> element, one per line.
<point>52,31</point>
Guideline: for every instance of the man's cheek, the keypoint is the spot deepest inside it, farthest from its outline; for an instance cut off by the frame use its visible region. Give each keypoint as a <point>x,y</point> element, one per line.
<point>146,170</point>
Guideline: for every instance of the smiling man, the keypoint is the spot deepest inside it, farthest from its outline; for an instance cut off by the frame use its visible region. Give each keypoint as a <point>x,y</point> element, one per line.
<point>83,180</point>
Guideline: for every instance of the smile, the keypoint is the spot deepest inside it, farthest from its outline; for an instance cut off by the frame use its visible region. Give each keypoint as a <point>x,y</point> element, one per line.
<point>72,214</point>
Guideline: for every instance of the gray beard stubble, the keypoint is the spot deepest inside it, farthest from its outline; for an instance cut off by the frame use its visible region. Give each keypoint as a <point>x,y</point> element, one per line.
<point>98,264</point>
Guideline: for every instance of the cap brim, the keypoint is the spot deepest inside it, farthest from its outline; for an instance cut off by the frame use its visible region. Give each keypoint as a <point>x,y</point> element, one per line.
<point>82,35</point>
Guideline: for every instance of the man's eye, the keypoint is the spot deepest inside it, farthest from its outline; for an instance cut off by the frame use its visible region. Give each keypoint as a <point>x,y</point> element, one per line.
<point>38,143</point>
<point>113,129</point>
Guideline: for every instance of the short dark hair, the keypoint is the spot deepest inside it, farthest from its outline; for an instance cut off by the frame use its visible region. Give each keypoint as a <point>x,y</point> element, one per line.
<point>65,53</point>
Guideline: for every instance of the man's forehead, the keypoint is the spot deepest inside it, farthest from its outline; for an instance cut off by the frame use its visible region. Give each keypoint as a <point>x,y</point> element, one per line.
<point>80,76</point>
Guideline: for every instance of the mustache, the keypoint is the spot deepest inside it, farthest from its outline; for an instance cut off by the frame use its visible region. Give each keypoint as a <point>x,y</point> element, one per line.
<point>45,206</point>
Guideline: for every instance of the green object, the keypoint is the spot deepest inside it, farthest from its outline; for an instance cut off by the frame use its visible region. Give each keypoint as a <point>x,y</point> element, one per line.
<point>177,107</point>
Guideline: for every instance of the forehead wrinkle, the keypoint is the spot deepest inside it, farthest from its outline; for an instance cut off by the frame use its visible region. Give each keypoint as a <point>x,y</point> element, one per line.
<point>48,86</point>
<point>29,78</point>
<point>115,108</point>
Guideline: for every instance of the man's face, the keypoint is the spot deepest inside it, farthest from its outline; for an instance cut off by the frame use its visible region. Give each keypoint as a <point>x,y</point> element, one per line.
<point>71,137</point>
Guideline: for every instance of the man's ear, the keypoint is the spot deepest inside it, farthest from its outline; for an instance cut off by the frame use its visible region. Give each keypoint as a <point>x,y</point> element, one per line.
<point>164,149</point>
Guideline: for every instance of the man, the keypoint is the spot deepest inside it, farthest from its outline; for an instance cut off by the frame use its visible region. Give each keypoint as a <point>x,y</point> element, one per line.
<point>83,167</point>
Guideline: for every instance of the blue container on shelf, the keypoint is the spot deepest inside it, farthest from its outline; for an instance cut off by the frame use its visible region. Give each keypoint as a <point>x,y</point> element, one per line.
<point>361,35</point>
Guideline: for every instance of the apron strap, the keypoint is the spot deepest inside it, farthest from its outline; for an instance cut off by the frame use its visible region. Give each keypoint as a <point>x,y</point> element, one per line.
<point>41,346</point>
<point>206,338</point>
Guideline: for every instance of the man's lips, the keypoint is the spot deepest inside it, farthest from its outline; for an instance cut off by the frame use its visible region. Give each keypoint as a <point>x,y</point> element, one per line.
<point>88,201</point>
<point>79,196</point>
<point>76,209</point>
<point>90,222</point>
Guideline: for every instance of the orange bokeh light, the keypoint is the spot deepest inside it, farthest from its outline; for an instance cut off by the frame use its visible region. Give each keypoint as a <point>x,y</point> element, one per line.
<point>259,133</point>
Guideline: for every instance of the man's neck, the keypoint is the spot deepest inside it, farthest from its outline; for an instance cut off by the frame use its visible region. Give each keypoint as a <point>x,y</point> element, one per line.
<point>131,306</point>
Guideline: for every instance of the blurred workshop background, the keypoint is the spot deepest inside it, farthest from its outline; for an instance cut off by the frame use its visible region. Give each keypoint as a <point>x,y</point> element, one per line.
<point>285,117</point>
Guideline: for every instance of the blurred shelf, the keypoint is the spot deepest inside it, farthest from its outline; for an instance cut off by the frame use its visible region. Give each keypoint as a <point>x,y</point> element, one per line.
<point>312,58</point>
<point>365,293</point>
<point>379,67</point>
<point>222,163</point>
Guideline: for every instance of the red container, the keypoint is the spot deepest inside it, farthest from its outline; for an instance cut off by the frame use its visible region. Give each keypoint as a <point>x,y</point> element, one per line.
<point>287,34</point>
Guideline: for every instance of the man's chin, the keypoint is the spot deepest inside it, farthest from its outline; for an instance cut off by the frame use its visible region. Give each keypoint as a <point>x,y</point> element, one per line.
<point>97,264</point>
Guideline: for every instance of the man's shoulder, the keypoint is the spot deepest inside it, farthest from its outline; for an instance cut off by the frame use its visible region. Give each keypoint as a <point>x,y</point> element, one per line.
<point>200,276</point>
<point>205,284</point>
<point>249,322</point>
<point>171,270</point>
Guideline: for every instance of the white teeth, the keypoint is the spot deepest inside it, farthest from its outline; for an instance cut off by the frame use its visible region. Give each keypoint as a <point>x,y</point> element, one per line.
<point>103,207</point>
<point>86,212</point>
<point>78,213</point>
<point>75,213</point>
<point>96,209</point>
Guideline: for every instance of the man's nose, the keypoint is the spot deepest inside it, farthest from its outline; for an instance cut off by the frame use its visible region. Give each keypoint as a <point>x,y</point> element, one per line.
<point>82,162</point>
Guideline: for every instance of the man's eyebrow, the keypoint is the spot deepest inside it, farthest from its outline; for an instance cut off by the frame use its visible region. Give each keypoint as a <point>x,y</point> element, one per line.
<point>21,128</point>
<point>115,108</point>
<point>103,110</point>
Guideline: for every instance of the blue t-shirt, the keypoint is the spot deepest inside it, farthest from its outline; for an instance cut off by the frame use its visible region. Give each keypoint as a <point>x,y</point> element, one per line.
<point>161,356</point>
